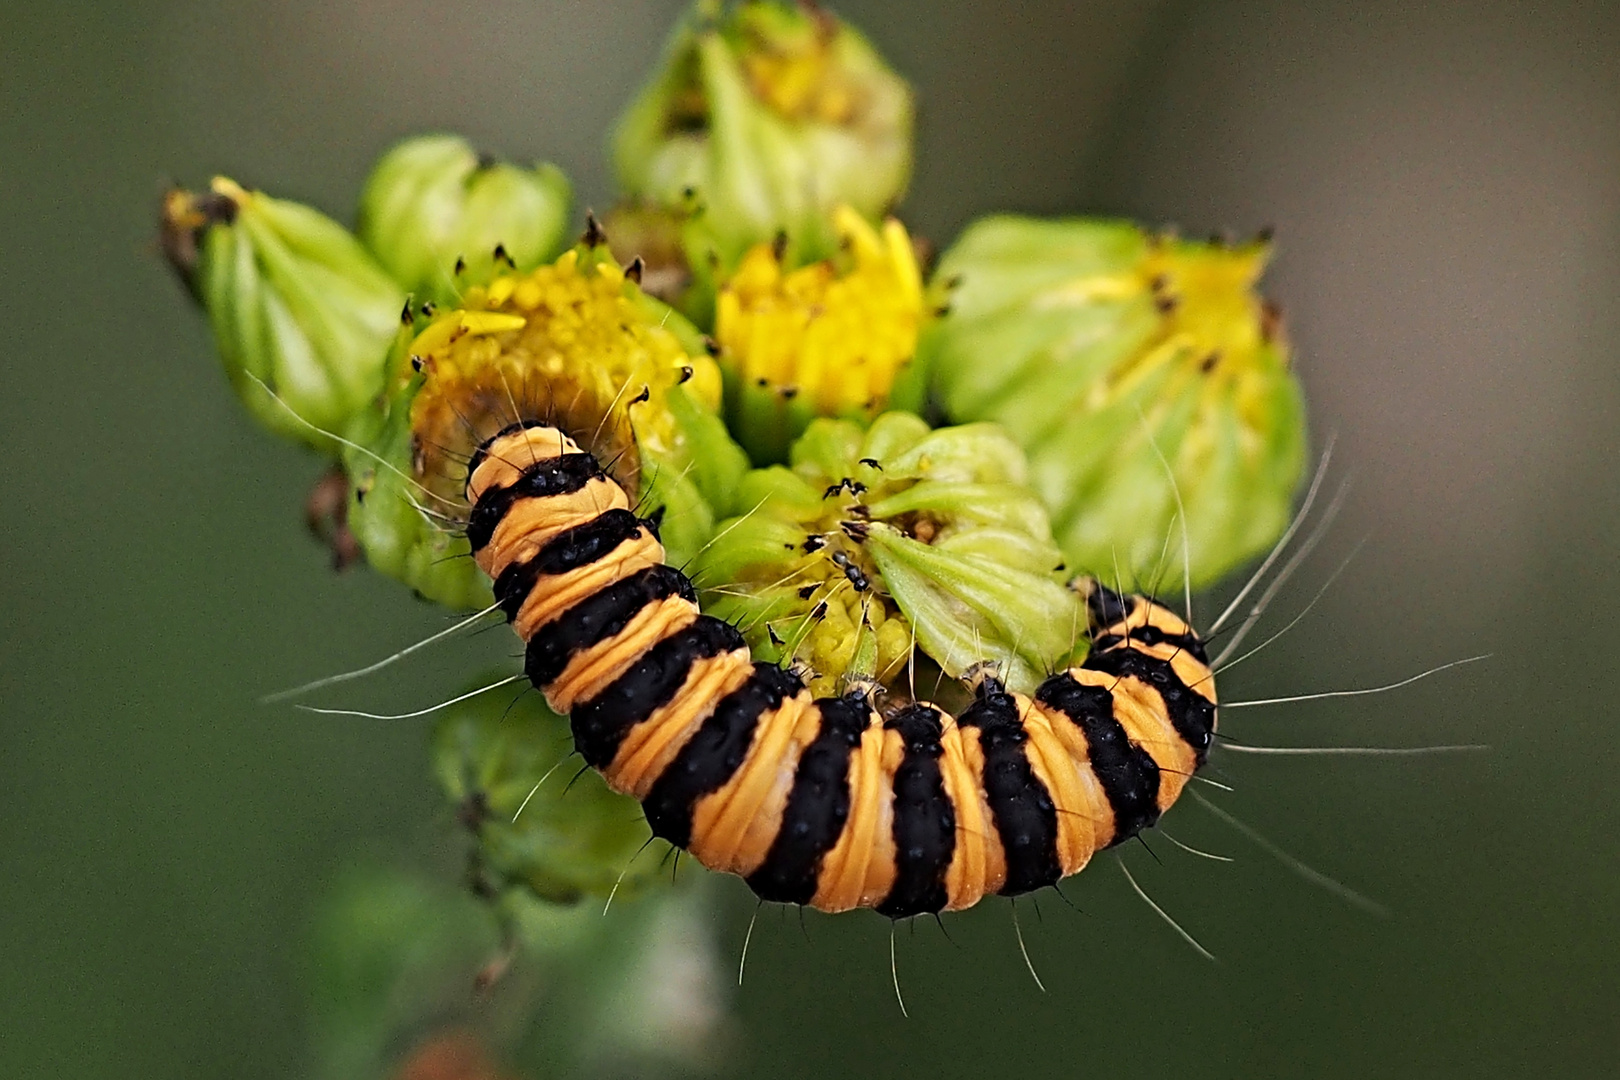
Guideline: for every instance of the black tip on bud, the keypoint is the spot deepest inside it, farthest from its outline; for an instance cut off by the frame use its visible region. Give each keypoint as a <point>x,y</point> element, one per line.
<point>1271,318</point>
<point>593,236</point>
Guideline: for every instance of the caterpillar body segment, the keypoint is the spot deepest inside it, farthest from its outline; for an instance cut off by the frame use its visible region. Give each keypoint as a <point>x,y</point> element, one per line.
<point>824,801</point>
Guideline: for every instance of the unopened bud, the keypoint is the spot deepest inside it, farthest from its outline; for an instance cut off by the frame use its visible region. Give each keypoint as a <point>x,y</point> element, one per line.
<point>880,543</point>
<point>573,835</point>
<point>768,115</point>
<point>439,216</point>
<point>1140,372</point>
<point>302,315</point>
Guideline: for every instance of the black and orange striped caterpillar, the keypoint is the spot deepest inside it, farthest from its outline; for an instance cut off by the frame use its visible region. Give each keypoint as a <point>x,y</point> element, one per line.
<point>825,801</point>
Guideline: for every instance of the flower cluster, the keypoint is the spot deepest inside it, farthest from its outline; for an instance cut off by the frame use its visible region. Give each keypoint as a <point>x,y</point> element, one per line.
<point>880,471</point>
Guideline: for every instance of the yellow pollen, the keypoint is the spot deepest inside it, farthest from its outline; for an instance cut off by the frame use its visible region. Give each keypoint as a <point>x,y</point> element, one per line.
<point>838,338</point>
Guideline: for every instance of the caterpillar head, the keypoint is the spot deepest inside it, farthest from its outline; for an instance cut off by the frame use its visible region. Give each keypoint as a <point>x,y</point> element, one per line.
<point>573,344</point>
<point>1104,606</point>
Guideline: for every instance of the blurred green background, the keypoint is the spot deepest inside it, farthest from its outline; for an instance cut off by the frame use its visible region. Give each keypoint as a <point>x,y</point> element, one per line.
<point>1445,183</point>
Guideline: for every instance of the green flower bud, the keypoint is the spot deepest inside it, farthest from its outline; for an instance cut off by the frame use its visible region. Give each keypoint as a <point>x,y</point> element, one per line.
<point>1117,359</point>
<point>574,343</point>
<point>299,309</point>
<point>438,215</point>
<point>879,541</point>
<point>573,836</point>
<point>768,114</point>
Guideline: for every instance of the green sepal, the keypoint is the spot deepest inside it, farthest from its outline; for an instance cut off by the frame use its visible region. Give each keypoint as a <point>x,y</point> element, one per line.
<point>392,516</point>
<point>432,202</point>
<point>760,538</point>
<point>763,419</point>
<point>984,596</point>
<point>717,463</point>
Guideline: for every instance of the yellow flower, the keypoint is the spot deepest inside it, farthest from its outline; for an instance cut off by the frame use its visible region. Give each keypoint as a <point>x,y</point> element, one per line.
<point>569,342</point>
<point>576,344</point>
<point>1144,375</point>
<point>821,340</point>
<point>1211,319</point>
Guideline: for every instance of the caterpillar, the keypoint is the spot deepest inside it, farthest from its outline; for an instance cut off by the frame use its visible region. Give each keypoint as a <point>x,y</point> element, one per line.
<point>826,802</point>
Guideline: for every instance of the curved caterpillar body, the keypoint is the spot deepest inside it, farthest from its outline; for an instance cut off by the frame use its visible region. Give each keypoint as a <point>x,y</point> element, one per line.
<point>824,802</point>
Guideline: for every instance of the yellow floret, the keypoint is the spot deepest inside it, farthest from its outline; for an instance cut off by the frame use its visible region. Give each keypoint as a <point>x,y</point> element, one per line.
<point>570,343</point>
<point>1212,322</point>
<point>838,339</point>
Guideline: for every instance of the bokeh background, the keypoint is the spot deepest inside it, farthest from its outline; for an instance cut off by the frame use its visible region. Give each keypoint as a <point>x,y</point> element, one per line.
<point>1445,182</point>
